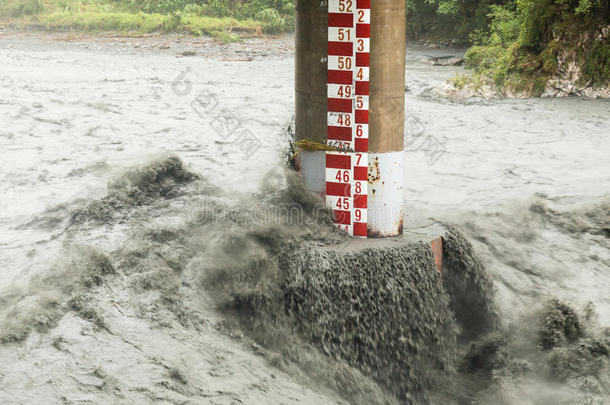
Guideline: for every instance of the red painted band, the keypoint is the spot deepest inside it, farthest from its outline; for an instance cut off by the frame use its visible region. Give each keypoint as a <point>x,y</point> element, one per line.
<point>339,134</point>
<point>362,116</point>
<point>338,161</point>
<point>362,59</point>
<point>340,77</point>
<point>360,201</point>
<point>361,145</point>
<point>342,20</point>
<point>362,88</point>
<point>340,48</point>
<point>360,229</point>
<point>363,4</point>
<point>342,217</point>
<point>340,105</point>
<point>363,30</point>
<point>360,173</point>
<point>338,189</point>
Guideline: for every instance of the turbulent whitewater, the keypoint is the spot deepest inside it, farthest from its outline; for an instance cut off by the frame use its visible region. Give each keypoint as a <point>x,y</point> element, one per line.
<point>139,264</point>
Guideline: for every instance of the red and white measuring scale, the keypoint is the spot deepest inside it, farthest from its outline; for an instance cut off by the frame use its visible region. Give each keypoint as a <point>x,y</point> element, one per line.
<point>348,113</point>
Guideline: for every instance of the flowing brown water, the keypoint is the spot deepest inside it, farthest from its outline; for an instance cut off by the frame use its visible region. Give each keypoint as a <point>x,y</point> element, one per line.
<point>526,180</point>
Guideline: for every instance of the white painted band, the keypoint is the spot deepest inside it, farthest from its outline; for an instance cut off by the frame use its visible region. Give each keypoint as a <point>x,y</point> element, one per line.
<point>363,45</point>
<point>345,91</point>
<point>363,73</point>
<point>337,34</point>
<point>344,63</point>
<point>348,145</point>
<point>363,16</point>
<point>312,165</point>
<point>362,102</point>
<point>337,119</point>
<point>385,194</point>
<point>385,209</point>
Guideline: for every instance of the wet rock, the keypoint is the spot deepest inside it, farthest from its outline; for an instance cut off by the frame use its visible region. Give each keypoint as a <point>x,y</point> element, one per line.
<point>443,61</point>
<point>568,79</point>
<point>432,45</point>
<point>469,93</point>
<point>560,87</point>
<point>189,53</point>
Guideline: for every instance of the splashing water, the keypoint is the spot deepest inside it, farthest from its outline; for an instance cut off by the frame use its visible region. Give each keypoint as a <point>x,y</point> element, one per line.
<point>95,281</point>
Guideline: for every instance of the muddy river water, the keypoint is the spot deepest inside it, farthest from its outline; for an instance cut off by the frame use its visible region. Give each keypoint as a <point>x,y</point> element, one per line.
<point>528,181</point>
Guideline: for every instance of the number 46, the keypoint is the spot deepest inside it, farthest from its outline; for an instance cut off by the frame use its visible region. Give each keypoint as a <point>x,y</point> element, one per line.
<point>342,176</point>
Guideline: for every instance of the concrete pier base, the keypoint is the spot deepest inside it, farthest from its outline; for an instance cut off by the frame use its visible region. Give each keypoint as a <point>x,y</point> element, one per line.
<point>380,304</point>
<point>416,230</point>
<point>392,307</point>
<point>311,166</point>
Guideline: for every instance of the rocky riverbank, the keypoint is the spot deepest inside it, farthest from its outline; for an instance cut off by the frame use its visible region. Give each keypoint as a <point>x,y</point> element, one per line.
<point>556,50</point>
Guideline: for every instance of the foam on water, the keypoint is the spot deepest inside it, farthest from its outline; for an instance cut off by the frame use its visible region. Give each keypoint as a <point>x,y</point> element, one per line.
<point>524,181</point>
<point>370,326</point>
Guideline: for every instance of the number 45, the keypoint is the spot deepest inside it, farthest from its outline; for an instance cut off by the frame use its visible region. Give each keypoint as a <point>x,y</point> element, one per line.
<point>343,203</point>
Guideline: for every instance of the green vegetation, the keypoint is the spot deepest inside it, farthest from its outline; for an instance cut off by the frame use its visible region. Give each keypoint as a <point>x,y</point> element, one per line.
<point>520,44</point>
<point>596,65</point>
<point>222,19</point>
<point>145,23</point>
<point>516,43</point>
<point>521,48</point>
<point>447,19</point>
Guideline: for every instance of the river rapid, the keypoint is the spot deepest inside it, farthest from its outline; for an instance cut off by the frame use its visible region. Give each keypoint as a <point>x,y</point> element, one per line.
<point>527,181</point>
